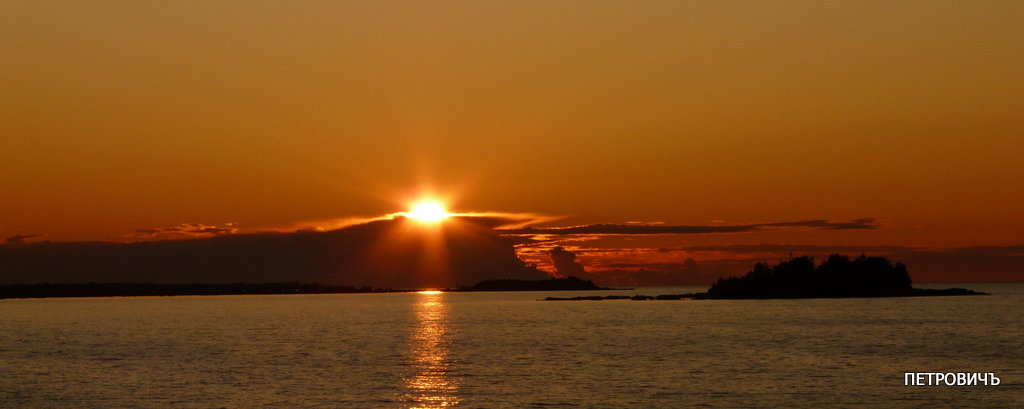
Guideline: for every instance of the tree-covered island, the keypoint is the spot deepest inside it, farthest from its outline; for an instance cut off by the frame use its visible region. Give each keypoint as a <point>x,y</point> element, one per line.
<point>837,277</point>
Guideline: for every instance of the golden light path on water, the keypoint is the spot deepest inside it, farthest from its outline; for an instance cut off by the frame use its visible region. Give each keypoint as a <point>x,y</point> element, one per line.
<point>431,384</point>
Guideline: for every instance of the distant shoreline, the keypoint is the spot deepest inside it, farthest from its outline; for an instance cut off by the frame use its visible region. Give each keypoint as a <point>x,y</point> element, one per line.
<point>91,290</point>
<point>97,290</point>
<point>916,292</point>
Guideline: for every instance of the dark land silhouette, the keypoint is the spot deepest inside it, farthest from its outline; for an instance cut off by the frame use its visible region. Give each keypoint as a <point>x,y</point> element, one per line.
<point>624,297</point>
<point>61,290</point>
<point>57,290</point>
<point>836,277</point>
<point>553,284</point>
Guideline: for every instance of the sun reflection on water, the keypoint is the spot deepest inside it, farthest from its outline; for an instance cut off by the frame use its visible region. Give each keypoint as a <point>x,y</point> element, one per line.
<point>431,384</point>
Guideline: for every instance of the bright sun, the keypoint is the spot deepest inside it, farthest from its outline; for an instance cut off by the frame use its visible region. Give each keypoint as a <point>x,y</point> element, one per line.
<point>429,211</point>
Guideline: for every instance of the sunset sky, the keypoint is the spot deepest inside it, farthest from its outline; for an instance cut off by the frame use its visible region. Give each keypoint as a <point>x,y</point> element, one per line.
<point>907,117</point>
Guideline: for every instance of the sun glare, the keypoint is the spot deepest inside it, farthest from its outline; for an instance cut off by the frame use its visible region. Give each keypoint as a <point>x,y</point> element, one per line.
<point>428,212</point>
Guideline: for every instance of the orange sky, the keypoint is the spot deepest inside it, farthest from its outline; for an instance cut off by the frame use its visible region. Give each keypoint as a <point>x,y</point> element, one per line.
<point>121,115</point>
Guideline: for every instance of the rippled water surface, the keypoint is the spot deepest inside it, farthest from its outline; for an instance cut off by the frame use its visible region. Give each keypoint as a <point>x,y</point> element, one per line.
<point>492,350</point>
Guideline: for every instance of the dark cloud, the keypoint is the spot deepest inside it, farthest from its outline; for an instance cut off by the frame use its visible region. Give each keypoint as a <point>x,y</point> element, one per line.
<point>504,220</point>
<point>21,238</point>
<point>386,253</point>
<point>783,248</point>
<point>565,263</point>
<point>866,222</point>
<point>396,253</point>
<point>631,228</point>
<point>187,230</point>
<point>992,263</point>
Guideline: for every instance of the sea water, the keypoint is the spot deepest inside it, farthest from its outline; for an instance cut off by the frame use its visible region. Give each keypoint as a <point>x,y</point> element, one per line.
<point>507,350</point>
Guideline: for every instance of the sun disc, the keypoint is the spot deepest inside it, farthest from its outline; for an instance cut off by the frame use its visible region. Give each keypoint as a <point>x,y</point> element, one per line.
<point>429,211</point>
